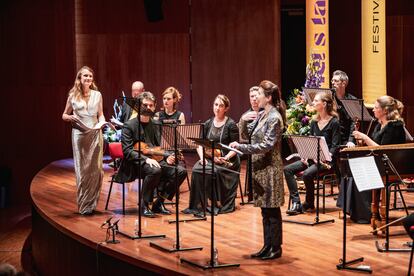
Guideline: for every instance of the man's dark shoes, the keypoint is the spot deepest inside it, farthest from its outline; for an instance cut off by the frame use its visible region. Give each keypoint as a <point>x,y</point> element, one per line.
<point>295,210</point>
<point>264,251</point>
<point>146,212</point>
<point>307,206</point>
<point>159,207</point>
<point>273,254</point>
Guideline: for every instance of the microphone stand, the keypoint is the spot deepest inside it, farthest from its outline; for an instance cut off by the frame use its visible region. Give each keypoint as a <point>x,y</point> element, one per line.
<point>177,246</point>
<point>138,234</point>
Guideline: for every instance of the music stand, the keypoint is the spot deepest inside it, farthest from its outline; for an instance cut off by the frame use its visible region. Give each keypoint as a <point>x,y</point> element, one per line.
<point>310,93</point>
<point>136,105</point>
<point>357,110</point>
<point>388,165</point>
<point>249,170</point>
<point>314,148</point>
<point>212,263</point>
<point>343,263</point>
<point>177,246</point>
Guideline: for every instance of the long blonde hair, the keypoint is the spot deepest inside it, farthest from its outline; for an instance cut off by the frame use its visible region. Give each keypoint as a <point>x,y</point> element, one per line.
<point>76,91</point>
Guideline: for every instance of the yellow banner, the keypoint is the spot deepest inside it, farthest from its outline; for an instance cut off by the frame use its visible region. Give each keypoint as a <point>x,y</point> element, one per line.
<point>317,37</point>
<point>374,71</point>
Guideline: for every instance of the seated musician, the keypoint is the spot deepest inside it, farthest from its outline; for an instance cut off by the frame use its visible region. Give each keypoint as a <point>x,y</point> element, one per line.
<point>156,175</point>
<point>223,129</point>
<point>169,113</point>
<point>325,123</point>
<point>389,130</point>
<point>390,127</point>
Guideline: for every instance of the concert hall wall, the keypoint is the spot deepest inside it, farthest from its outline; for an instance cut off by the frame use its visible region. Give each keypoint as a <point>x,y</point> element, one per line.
<point>234,44</point>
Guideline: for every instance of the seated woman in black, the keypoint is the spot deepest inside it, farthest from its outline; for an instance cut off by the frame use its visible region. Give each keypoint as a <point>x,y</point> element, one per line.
<point>389,130</point>
<point>224,130</point>
<point>390,127</point>
<point>169,113</point>
<point>324,124</point>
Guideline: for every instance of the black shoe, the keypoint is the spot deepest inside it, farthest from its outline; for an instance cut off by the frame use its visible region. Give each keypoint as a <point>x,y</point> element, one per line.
<point>295,210</point>
<point>216,210</point>
<point>189,211</point>
<point>146,212</point>
<point>159,207</point>
<point>307,206</point>
<point>273,254</point>
<point>264,251</point>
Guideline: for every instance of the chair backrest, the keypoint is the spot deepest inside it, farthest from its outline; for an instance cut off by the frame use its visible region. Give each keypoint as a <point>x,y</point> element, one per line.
<point>115,150</point>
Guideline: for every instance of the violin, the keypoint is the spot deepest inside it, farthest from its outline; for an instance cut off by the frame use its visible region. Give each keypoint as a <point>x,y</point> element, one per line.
<point>360,142</point>
<point>215,154</point>
<point>155,152</point>
<point>357,127</point>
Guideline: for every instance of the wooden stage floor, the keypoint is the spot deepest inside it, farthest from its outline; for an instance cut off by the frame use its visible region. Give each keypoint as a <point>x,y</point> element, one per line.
<point>307,250</point>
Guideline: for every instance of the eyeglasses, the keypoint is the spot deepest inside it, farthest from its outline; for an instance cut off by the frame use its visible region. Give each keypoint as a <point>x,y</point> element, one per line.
<point>335,80</point>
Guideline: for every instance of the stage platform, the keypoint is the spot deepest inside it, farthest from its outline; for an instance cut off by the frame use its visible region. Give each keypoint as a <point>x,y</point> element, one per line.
<point>66,243</point>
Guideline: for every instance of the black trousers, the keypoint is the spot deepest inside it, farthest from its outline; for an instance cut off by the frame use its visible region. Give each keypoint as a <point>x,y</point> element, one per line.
<point>272,227</point>
<point>162,179</point>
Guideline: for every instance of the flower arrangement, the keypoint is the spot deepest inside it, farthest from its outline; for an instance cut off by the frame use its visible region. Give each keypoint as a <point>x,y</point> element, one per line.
<point>299,114</point>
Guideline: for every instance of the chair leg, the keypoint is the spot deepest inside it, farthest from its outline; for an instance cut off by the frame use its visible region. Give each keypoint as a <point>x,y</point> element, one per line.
<point>109,193</point>
<point>411,261</point>
<point>123,198</point>
<point>188,179</point>
<point>323,193</point>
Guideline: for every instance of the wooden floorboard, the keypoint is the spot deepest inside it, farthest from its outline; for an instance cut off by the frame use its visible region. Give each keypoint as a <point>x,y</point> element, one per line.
<point>307,250</point>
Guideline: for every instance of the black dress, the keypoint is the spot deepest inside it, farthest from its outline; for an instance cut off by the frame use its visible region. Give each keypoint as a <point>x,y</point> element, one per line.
<point>226,181</point>
<point>163,117</point>
<point>359,203</point>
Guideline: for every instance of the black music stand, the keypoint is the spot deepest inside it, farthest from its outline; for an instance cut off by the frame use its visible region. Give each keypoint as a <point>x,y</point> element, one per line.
<point>310,93</point>
<point>212,263</point>
<point>386,248</point>
<point>249,171</point>
<point>357,110</point>
<point>343,263</point>
<point>177,245</point>
<point>314,148</point>
<point>136,105</point>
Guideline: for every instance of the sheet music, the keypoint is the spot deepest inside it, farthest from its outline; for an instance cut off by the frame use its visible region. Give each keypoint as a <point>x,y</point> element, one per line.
<point>84,128</point>
<point>365,173</point>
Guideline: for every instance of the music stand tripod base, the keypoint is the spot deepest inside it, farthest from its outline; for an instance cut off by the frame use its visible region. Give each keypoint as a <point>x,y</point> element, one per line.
<point>387,249</point>
<point>316,222</point>
<point>209,265</point>
<point>137,237</point>
<point>174,249</point>
<point>346,266</point>
<point>186,220</point>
